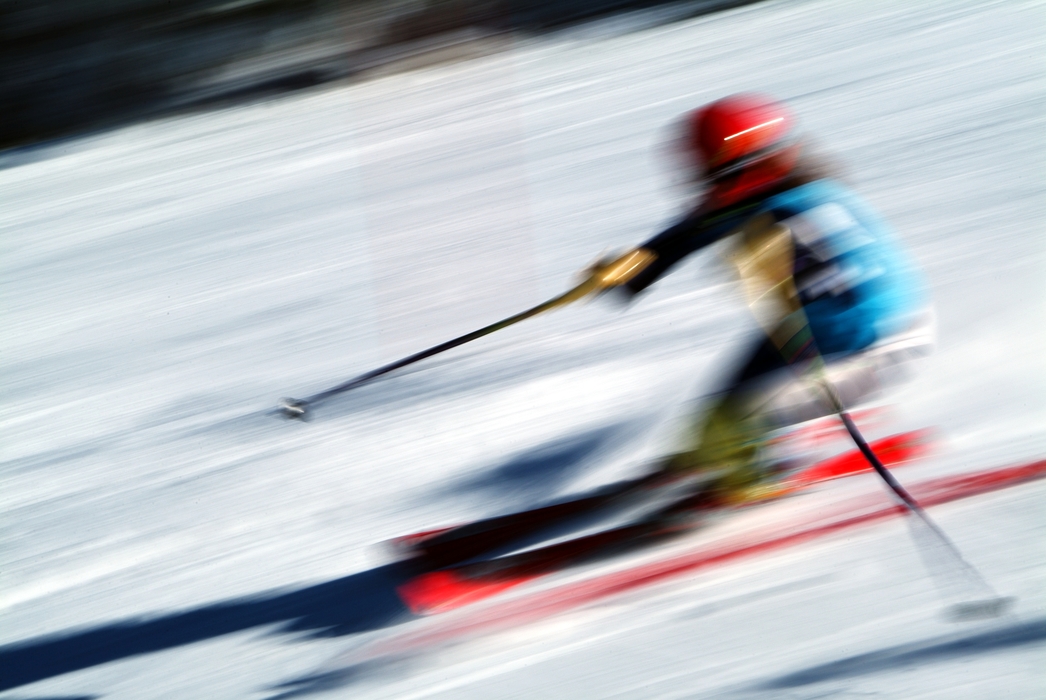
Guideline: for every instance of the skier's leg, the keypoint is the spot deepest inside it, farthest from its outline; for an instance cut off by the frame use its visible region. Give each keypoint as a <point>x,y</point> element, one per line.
<point>727,441</point>
<point>724,441</point>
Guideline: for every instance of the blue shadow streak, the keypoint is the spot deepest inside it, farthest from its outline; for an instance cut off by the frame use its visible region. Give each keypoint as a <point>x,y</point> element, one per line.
<point>356,603</point>
<point>907,655</point>
<point>537,474</point>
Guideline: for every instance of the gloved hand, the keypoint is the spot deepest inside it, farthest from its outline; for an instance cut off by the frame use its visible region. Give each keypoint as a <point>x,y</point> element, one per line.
<point>609,272</point>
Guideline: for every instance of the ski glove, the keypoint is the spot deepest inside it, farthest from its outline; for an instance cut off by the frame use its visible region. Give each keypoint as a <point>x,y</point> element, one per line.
<point>607,273</point>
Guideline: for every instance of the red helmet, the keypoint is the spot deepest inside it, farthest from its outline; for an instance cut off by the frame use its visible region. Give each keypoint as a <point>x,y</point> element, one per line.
<point>742,144</point>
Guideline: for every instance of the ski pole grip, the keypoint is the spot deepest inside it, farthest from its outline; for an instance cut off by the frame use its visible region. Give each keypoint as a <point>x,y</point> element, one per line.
<point>622,269</point>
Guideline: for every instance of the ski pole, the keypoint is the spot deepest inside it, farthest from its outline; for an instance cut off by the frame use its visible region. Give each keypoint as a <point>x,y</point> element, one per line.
<point>988,602</point>
<point>299,408</point>
<point>764,261</point>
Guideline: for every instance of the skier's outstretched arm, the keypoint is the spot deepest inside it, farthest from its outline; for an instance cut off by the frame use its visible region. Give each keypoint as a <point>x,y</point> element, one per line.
<point>640,267</point>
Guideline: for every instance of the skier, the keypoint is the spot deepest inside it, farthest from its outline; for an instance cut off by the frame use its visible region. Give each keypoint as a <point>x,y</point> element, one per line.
<point>861,297</point>
<point>851,289</point>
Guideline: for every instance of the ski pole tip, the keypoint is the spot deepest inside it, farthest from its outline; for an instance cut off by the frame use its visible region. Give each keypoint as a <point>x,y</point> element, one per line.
<point>294,408</point>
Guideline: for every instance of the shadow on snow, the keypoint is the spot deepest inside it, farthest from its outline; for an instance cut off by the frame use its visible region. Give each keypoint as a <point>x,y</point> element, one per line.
<point>919,653</point>
<point>542,473</point>
<point>356,603</point>
<point>353,604</point>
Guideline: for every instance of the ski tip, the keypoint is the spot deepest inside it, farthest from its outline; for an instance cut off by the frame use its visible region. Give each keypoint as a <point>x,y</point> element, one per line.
<point>980,609</point>
<point>434,592</point>
<point>440,591</point>
<point>294,408</point>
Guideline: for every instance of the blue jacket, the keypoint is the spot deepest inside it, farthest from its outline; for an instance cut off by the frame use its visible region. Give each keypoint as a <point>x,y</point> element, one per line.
<point>855,282</point>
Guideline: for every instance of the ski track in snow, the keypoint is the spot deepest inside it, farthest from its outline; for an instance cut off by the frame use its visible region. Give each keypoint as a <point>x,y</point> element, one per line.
<point>164,284</point>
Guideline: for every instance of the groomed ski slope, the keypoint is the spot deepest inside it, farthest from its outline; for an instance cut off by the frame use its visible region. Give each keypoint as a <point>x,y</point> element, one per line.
<point>164,536</point>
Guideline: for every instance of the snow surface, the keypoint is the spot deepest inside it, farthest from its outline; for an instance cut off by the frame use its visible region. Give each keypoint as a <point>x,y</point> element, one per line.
<point>163,285</point>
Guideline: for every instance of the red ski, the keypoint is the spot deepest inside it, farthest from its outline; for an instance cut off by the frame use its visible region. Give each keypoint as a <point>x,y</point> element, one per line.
<point>454,584</point>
